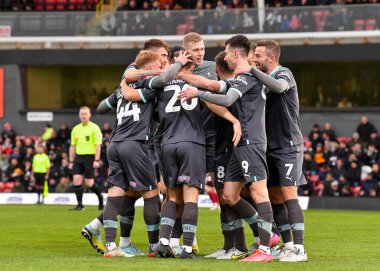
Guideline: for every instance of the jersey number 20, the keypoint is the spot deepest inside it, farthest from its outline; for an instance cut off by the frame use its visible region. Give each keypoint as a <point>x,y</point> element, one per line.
<point>170,107</point>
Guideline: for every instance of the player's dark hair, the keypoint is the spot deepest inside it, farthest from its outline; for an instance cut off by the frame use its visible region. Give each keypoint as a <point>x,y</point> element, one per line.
<point>222,64</point>
<point>239,42</point>
<point>271,46</point>
<point>188,64</point>
<point>174,50</point>
<point>155,43</point>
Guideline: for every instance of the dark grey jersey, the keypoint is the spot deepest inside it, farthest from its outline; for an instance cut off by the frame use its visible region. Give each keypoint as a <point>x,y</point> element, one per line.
<point>282,116</point>
<point>180,121</point>
<point>132,118</point>
<point>207,70</point>
<point>223,130</point>
<point>250,108</point>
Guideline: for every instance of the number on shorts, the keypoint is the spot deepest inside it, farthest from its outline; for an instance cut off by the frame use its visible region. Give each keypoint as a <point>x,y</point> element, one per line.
<point>290,167</point>
<point>245,165</point>
<point>220,172</point>
<point>170,107</point>
<point>130,109</point>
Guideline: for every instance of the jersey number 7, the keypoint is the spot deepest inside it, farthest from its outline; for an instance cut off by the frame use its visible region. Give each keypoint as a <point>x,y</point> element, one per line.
<point>170,107</point>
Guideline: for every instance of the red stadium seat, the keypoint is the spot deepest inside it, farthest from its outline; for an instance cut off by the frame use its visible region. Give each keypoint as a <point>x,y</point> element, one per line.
<point>8,186</point>
<point>359,25</point>
<point>355,191</point>
<point>343,139</point>
<point>39,5</point>
<point>370,24</point>
<point>73,4</point>
<point>50,5</point>
<point>61,5</point>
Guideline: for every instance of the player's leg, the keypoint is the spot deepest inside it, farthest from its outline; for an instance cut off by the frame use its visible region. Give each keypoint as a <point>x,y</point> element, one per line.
<point>177,232</point>
<point>168,216</point>
<point>93,234</point>
<point>39,179</point>
<point>152,219</point>
<point>174,198</point>
<point>189,220</point>
<point>252,161</point>
<point>110,221</point>
<point>116,192</point>
<point>296,219</point>
<point>78,190</point>
<point>89,179</point>
<point>281,218</point>
<point>127,216</point>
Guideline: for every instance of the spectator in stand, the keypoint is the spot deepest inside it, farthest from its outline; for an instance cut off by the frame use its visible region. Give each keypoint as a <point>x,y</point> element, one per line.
<point>330,131</point>
<point>338,171</point>
<point>309,167</point>
<point>355,139</point>
<point>344,103</point>
<point>375,140</point>
<point>316,140</point>
<point>236,4</point>
<point>357,150</point>
<point>63,135</point>
<point>318,155</point>
<point>331,154</point>
<point>48,134</point>
<point>364,129</point>
<point>8,132</point>
<point>369,187</point>
<point>372,155</point>
<point>63,186</point>
<point>315,129</point>
<point>331,186</point>
<point>343,150</point>
<point>353,174</point>
<point>106,129</point>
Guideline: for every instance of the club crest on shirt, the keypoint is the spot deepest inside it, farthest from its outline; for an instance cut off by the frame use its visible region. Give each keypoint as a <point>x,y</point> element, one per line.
<point>242,80</point>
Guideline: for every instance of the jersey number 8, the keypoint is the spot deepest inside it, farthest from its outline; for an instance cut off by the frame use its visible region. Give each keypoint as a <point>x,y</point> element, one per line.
<point>170,107</point>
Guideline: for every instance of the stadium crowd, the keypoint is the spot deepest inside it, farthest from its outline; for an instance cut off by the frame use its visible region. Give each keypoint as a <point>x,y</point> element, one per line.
<point>335,166</point>
<point>133,5</point>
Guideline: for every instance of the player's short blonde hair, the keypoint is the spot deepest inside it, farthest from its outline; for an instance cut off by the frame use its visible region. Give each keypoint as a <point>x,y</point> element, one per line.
<point>192,37</point>
<point>144,57</point>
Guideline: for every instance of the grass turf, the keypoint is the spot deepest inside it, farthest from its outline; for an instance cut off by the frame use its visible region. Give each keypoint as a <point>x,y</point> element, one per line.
<point>48,238</point>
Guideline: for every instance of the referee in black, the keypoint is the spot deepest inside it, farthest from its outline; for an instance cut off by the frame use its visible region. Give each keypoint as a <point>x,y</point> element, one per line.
<point>86,141</point>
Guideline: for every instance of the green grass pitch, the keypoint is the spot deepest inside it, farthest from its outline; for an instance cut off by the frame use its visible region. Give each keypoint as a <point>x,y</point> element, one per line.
<point>48,238</point>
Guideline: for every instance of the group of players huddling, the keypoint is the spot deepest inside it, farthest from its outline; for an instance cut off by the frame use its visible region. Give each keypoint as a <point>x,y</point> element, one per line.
<point>242,130</point>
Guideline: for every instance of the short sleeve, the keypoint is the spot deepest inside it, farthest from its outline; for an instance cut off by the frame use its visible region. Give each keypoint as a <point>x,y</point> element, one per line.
<point>240,85</point>
<point>147,94</point>
<point>98,137</point>
<point>148,82</point>
<point>73,137</point>
<point>287,76</point>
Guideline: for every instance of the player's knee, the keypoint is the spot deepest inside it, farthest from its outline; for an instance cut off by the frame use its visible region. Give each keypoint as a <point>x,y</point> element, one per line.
<point>230,199</point>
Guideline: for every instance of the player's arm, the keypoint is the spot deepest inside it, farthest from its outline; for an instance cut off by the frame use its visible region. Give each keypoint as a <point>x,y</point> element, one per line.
<point>202,82</point>
<point>275,85</point>
<point>223,100</point>
<point>226,114</point>
<point>136,95</point>
<point>168,75</point>
<point>107,104</point>
<point>133,75</point>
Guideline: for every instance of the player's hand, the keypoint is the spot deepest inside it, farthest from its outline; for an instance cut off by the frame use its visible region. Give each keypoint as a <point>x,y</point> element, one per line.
<point>123,82</point>
<point>237,133</point>
<point>242,69</point>
<point>95,164</point>
<point>187,94</point>
<point>71,165</point>
<point>183,57</point>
